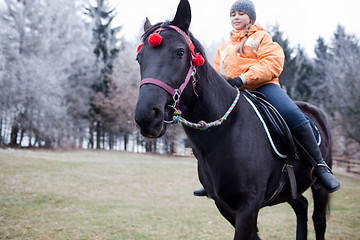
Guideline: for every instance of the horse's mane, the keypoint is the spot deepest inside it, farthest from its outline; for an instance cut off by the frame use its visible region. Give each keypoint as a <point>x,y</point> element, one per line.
<point>209,72</point>
<point>213,79</point>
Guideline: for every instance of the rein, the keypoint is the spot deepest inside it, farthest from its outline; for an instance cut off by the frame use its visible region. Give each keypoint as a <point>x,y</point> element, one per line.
<point>202,125</point>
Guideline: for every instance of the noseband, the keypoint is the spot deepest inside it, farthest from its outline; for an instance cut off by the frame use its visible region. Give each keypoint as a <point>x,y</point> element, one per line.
<point>176,93</point>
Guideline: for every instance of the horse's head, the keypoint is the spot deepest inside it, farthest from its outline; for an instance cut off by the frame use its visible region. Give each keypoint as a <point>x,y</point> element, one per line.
<point>166,58</point>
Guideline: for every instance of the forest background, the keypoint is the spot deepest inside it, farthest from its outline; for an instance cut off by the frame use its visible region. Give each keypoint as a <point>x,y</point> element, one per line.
<point>68,80</point>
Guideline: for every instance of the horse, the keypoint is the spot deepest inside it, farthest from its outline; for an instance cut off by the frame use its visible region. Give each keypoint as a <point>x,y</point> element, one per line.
<point>236,164</point>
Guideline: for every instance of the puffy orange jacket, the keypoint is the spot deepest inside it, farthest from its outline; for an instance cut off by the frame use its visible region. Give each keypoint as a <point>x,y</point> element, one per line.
<point>263,61</point>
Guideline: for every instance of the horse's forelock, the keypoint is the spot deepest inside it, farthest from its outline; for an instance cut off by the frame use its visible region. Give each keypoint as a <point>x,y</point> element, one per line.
<point>153,28</point>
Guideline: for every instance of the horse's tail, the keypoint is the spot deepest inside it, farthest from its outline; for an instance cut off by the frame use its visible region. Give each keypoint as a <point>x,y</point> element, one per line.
<point>320,196</point>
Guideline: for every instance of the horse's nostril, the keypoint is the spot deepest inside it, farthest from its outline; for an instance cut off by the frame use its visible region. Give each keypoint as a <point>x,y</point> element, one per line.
<point>156,113</point>
<point>146,118</point>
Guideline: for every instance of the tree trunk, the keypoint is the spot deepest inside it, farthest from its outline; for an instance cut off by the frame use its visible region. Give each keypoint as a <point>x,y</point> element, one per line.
<point>172,147</point>
<point>30,143</point>
<point>1,136</point>
<point>98,135</point>
<point>155,149</point>
<point>103,138</point>
<point>148,145</point>
<point>22,132</point>
<point>91,137</point>
<point>14,135</point>
<point>126,139</point>
<point>111,140</point>
<point>48,142</point>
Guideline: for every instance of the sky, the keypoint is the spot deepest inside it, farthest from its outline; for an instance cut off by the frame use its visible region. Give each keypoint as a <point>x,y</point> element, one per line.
<point>301,21</point>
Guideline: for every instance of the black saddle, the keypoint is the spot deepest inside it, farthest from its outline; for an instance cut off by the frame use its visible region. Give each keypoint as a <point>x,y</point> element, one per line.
<point>278,131</point>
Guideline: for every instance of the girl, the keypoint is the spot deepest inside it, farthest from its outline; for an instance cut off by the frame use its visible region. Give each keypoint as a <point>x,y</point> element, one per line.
<point>251,60</point>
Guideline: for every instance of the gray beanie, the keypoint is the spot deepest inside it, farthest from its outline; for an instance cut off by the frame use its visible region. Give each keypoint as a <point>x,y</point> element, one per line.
<point>246,6</point>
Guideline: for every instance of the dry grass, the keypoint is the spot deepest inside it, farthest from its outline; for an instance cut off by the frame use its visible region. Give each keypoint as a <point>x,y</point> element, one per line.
<point>119,195</point>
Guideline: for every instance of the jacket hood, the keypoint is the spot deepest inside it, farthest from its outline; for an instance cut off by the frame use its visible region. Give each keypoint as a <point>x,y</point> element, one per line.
<point>238,35</point>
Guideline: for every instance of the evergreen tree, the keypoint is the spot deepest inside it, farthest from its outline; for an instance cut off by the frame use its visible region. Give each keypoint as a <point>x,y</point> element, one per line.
<point>297,70</point>
<point>321,57</point>
<point>106,50</point>
<point>286,76</point>
<point>303,80</point>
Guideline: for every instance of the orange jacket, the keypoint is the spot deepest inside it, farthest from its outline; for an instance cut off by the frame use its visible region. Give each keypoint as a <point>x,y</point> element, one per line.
<point>262,64</point>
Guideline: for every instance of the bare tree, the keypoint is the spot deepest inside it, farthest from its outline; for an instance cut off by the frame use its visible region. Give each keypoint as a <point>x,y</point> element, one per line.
<point>341,75</point>
<point>43,43</point>
<point>126,78</point>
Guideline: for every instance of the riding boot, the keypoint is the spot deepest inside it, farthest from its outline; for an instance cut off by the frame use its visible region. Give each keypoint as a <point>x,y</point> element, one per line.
<point>304,134</point>
<point>200,193</point>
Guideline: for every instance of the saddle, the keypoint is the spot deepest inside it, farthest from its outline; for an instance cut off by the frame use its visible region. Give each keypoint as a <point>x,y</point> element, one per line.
<point>279,136</point>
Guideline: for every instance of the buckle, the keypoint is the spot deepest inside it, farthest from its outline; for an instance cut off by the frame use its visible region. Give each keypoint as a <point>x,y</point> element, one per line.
<point>284,170</point>
<point>176,95</point>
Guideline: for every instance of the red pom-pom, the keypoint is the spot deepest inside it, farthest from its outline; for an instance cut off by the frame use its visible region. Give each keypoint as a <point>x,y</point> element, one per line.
<point>155,39</point>
<point>139,47</point>
<point>198,60</point>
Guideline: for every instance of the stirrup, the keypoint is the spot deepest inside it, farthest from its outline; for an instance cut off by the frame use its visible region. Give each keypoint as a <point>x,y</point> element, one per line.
<point>312,179</point>
<point>324,165</point>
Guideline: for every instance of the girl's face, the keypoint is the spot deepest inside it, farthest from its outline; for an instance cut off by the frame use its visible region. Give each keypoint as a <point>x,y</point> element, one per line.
<point>239,20</point>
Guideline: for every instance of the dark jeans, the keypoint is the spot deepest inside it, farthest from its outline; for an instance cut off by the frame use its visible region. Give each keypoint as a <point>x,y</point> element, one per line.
<point>283,103</point>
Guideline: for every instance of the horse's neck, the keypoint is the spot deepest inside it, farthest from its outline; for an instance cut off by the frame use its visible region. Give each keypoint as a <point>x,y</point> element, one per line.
<point>215,96</point>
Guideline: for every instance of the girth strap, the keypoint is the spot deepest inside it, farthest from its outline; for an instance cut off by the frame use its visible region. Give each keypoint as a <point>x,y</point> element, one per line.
<point>287,171</point>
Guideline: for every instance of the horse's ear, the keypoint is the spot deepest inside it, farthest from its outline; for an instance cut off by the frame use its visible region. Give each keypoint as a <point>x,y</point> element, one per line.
<point>147,25</point>
<point>182,17</point>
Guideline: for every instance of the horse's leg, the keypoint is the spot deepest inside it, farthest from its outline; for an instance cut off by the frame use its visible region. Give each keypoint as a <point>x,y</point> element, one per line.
<point>321,204</point>
<point>226,214</point>
<point>300,207</point>
<point>246,223</point>
<point>231,218</point>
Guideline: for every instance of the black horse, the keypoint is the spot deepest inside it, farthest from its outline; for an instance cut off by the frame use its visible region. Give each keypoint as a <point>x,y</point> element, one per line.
<point>236,164</point>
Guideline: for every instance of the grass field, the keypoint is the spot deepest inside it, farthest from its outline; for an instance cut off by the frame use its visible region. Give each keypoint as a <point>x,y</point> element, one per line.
<point>120,195</point>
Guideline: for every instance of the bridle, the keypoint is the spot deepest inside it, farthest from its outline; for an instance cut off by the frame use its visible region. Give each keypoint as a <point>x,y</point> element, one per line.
<point>176,93</point>
<point>196,60</point>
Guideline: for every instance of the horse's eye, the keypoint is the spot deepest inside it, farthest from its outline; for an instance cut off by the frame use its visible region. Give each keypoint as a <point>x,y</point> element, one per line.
<point>137,58</point>
<point>180,53</point>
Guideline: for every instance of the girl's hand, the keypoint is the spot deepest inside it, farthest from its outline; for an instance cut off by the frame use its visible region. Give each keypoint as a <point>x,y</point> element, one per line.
<point>236,82</point>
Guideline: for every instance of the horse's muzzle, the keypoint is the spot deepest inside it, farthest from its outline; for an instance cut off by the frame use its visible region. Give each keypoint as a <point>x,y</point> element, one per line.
<point>151,122</point>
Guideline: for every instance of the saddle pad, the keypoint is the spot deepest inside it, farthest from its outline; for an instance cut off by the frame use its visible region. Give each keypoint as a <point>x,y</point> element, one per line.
<point>274,128</point>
